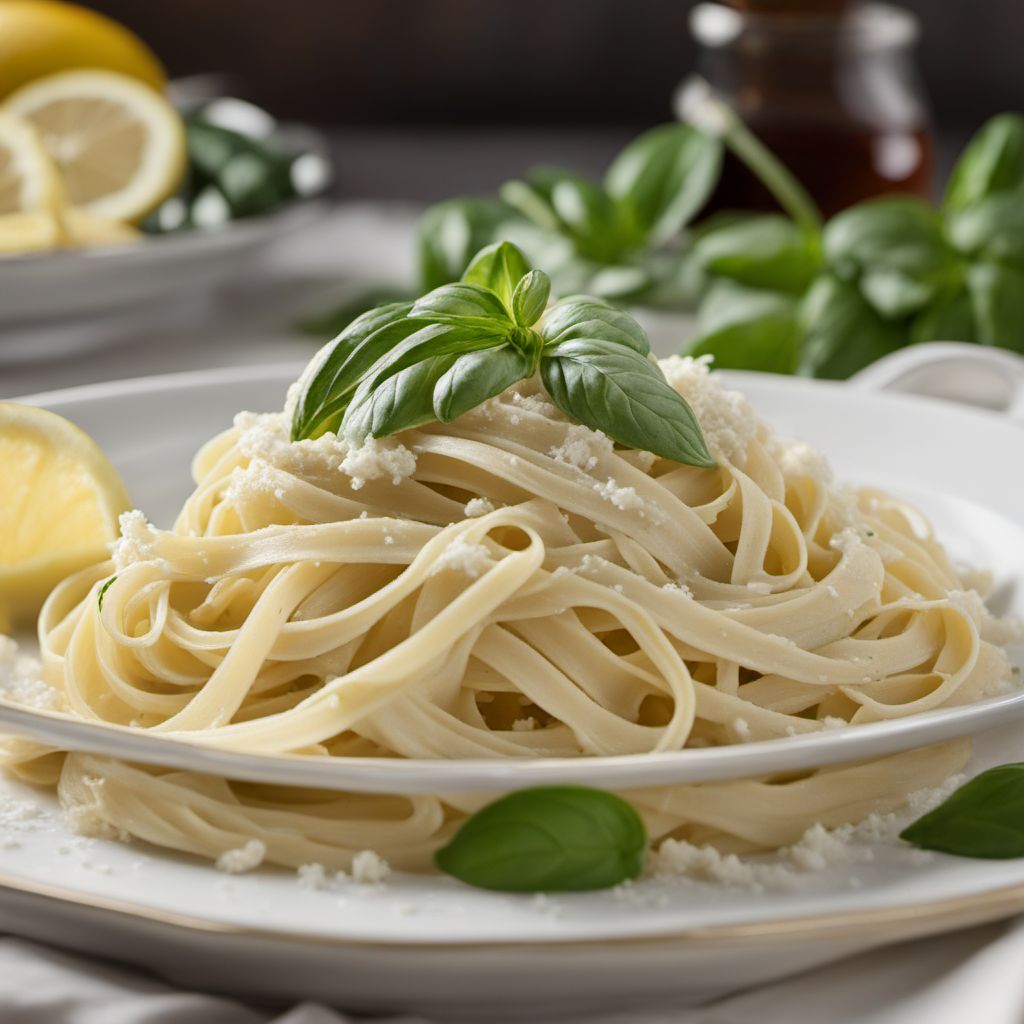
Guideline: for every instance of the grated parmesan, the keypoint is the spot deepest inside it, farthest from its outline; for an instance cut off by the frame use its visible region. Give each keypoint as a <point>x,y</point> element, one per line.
<point>462,556</point>
<point>137,542</point>
<point>376,460</point>
<point>369,868</point>
<point>582,447</point>
<point>21,679</point>
<point>725,417</point>
<point>244,858</point>
<point>624,498</point>
<point>478,507</point>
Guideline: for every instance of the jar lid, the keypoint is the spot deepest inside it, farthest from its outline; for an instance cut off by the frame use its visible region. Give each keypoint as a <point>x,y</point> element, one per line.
<point>865,27</point>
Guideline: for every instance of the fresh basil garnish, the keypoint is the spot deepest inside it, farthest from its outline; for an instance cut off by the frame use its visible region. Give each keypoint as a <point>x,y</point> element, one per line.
<point>553,839</point>
<point>460,344</point>
<point>983,818</point>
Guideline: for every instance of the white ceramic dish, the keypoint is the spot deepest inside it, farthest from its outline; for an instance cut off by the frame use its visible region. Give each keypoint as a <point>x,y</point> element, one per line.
<point>432,945</point>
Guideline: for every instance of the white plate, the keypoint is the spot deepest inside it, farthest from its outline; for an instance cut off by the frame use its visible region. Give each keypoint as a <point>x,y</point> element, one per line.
<point>432,945</point>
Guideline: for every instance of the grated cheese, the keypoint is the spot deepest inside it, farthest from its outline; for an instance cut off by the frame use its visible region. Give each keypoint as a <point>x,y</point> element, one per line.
<point>726,418</point>
<point>582,447</point>
<point>478,507</point>
<point>462,556</point>
<point>137,542</point>
<point>624,498</point>
<point>244,858</point>
<point>21,679</point>
<point>369,868</point>
<point>376,460</point>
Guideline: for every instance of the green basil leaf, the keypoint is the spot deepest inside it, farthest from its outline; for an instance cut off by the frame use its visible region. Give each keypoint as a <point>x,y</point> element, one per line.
<point>663,178</point>
<point>463,302</point>
<point>991,229</point>
<point>530,298</point>
<point>451,232</point>
<point>499,268</point>
<point>748,330</point>
<point>589,318</point>
<point>983,818</point>
<point>997,295</point>
<point>615,389</point>
<point>333,373</point>
<point>842,333</point>
<point>950,318</point>
<point>896,248</point>
<point>399,402</point>
<point>553,839</point>
<point>992,162</point>
<point>762,252</point>
<point>477,376</point>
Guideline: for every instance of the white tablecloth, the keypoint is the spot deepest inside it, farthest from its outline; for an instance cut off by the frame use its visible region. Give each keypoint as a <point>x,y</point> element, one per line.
<point>976,975</point>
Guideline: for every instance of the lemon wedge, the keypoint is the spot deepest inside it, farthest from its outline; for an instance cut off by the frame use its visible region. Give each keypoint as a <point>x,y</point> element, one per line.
<point>119,145</point>
<point>82,229</point>
<point>29,232</point>
<point>42,37</point>
<point>62,499</point>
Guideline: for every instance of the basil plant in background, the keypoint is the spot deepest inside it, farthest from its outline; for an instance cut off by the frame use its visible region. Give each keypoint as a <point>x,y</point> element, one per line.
<point>617,239</point>
<point>781,296</point>
<point>407,364</point>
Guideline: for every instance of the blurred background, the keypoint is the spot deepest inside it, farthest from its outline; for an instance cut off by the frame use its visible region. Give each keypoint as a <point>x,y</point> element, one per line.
<point>480,91</point>
<point>286,215</point>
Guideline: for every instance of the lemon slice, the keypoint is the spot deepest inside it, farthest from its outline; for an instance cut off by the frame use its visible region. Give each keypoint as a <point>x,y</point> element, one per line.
<point>82,229</point>
<point>62,499</point>
<point>119,145</point>
<point>29,232</point>
<point>28,178</point>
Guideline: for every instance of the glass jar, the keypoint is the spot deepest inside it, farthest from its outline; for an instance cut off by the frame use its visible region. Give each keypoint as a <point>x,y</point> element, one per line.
<point>834,93</point>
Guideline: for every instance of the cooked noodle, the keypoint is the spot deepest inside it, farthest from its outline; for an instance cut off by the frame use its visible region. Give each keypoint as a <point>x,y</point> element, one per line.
<point>510,585</point>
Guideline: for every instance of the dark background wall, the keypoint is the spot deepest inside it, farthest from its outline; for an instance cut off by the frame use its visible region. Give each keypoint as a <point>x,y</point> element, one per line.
<point>517,61</point>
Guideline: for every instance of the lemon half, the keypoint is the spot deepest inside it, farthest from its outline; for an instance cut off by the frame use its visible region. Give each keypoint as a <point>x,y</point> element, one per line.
<point>119,145</point>
<point>62,499</point>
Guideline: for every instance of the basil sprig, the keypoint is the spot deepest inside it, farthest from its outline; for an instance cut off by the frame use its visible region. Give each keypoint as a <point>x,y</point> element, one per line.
<point>879,275</point>
<point>406,364</point>
<point>552,839</point>
<point>984,818</point>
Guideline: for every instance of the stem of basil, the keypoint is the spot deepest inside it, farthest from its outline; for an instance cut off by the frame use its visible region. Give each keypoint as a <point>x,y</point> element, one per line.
<point>772,172</point>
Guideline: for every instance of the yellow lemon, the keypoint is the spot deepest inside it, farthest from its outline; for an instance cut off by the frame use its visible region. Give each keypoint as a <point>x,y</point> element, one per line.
<point>119,145</point>
<point>82,229</point>
<point>61,503</point>
<point>29,181</point>
<point>41,37</point>
<point>29,232</point>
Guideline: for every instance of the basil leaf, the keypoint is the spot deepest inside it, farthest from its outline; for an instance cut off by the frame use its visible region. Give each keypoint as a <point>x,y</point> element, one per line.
<point>399,402</point>
<point>992,162</point>
<point>530,298</point>
<point>997,295</point>
<point>663,178</point>
<point>615,389</point>
<point>498,268</point>
<point>842,333</point>
<point>463,302</point>
<point>749,330</point>
<point>983,818</point>
<point>334,372</point>
<point>554,839</point>
<point>589,318</point>
<point>895,247</point>
<point>991,229</point>
<point>450,232</point>
<point>477,376</point>
<point>950,318</point>
<point>762,252</point>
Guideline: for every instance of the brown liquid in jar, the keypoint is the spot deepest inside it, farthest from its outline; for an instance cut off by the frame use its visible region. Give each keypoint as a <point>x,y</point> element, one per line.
<point>831,88</point>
